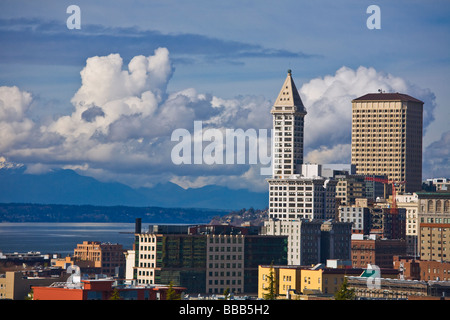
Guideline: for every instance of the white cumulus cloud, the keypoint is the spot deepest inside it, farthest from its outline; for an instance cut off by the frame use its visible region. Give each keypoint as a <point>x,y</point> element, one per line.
<point>123,119</point>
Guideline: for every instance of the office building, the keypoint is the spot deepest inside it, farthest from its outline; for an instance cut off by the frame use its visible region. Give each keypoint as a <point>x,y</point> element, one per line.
<point>335,242</point>
<point>438,184</point>
<point>411,268</point>
<point>312,241</point>
<point>288,123</point>
<point>16,285</point>
<point>387,138</point>
<point>303,237</point>
<point>375,251</point>
<point>434,241</point>
<point>358,216</point>
<point>302,198</point>
<point>102,289</point>
<point>434,207</point>
<point>422,207</point>
<point>108,258</point>
<point>398,289</point>
<point>294,281</point>
<point>206,259</point>
<point>297,191</point>
<point>352,187</point>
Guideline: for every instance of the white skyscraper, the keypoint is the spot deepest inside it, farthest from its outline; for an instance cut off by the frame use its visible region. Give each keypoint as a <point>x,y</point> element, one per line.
<point>297,191</point>
<point>288,113</point>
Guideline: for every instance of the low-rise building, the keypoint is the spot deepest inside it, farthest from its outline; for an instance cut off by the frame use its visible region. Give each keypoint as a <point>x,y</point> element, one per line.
<point>108,257</point>
<point>302,280</point>
<point>397,289</point>
<point>411,268</point>
<point>16,285</point>
<point>102,289</point>
<point>374,250</point>
<point>206,259</point>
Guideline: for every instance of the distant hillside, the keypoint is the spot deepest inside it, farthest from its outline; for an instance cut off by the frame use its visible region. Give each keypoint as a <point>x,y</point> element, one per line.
<point>87,213</point>
<point>69,188</point>
<point>236,218</point>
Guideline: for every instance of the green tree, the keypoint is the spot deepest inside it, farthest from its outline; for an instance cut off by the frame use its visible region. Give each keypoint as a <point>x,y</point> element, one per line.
<point>115,295</point>
<point>271,288</point>
<point>226,294</point>
<point>344,292</point>
<point>171,293</point>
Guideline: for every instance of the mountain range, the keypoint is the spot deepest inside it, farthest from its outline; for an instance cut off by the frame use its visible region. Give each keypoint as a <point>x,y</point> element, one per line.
<point>70,188</point>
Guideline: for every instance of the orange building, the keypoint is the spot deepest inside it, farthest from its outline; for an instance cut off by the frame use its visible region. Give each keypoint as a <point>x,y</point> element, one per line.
<point>101,290</point>
<point>104,256</point>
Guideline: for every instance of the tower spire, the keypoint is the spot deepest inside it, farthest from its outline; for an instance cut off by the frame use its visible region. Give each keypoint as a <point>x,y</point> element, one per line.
<point>288,112</point>
<point>288,99</point>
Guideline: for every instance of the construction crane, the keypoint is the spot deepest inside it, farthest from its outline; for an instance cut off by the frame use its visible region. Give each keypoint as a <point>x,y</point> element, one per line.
<point>394,184</point>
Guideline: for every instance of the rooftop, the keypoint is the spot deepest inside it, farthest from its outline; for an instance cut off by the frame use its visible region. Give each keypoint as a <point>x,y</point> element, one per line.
<point>387,97</point>
<point>289,99</point>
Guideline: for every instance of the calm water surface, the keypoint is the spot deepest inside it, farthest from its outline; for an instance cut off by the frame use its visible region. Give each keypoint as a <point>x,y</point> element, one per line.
<point>61,237</point>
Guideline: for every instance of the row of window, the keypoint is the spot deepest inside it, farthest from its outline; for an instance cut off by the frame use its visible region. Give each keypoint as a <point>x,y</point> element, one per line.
<point>225,257</point>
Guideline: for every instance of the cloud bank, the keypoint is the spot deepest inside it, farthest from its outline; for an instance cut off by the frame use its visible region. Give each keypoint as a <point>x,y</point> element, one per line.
<point>328,102</point>
<point>123,117</point>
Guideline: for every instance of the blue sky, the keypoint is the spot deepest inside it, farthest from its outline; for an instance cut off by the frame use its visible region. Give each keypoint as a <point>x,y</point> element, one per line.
<point>227,60</point>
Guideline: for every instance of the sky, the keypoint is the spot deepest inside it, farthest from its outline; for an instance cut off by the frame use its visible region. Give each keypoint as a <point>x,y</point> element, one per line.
<point>105,99</point>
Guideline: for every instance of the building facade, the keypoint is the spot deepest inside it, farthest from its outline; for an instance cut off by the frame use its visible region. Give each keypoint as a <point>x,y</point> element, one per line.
<point>302,198</point>
<point>206,259</point>
<point>409,202</point>
<point>387,138</point>
<point>434,241</point>
<point>303,238</point>
<point>298,280</point>
<point>288,123</point>
<point>108,257</point>
<point>17,285</point>
<point>422,207</point>
<point>424,270</point>
<point>312,241</point>
<point>434,207</point>
<point>296,191</point>
<point>335,242</point>
<point>359,217</point>
<point>102,289</point>
<point>370,250</point>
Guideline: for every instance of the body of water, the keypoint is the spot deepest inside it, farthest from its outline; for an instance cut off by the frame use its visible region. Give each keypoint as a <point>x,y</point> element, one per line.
<point>61,237</point>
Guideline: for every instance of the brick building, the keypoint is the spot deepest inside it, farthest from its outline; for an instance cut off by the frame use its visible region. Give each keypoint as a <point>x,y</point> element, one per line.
<point>416,269</point>
<point>103,289</point>
<point>108,258</point>
<point>375,251</point>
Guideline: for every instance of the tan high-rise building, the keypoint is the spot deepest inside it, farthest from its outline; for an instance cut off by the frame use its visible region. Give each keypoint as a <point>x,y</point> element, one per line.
<point>387,138</point>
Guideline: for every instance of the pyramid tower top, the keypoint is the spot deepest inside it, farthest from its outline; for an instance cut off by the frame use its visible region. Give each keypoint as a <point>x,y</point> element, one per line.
<point>288,100</point>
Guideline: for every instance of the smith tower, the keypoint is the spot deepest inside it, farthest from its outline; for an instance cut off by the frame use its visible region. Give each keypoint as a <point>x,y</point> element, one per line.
<point>288,112</point>
<point>297,191</point>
